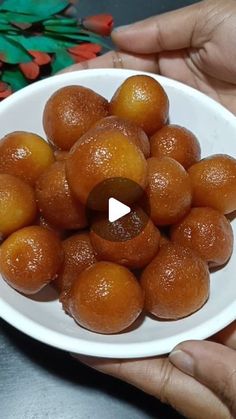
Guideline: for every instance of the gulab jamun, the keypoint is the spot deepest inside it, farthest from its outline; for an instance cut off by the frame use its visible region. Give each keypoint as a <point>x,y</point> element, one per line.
<point>70,112</point>
<point>176,142</point>
<point>131,130</point>
<point>42,222</point>
<point>105,155</point>
<point>25,155</point>
<point>213,182</point>
<point>169,190</point>
<point>17,204</point>
<point>31,258</point>
<point>79,255</point>
<point>106,298</point>
<point>164,239</point>
<point>60,155</point>
<point>56,202</point>
<point>208,232</point>
<point>175,283</point>
<point>141,99</point>
<point>134,252</point>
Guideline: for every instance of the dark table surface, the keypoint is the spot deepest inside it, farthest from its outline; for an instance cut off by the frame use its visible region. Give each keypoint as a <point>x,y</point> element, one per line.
<point>38,382</point>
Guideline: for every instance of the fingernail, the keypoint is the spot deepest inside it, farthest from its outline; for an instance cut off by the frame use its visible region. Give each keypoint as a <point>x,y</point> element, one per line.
<point>183,361</point>
<point>121,28</point>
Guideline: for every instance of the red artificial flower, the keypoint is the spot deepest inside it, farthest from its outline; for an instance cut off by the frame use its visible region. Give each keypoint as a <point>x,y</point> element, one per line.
<point>5,90</point>
<point>3,86</point>
<point>40,58</point>
<point>84,51</point>
<point>100,24</point>
<point>95,48</point>
<point>2,58</point>
<point>31,70</point>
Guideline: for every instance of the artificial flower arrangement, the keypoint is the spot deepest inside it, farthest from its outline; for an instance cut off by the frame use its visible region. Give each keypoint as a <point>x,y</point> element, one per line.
<point>40,38</point>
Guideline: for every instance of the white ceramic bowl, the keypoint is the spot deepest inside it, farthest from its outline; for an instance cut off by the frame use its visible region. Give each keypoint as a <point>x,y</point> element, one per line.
<point>42,317</point>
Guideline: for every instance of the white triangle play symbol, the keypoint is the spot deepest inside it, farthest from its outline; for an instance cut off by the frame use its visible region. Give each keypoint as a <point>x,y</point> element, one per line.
<point>117,210</point>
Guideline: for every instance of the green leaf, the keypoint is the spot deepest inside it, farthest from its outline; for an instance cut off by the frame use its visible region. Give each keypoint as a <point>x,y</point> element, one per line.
<point>62,59</point>
<point>41,8</point>
<point>5,27</point>
<point>73,36</point>
<point>2,19</point>
<point>15,78</point>
<point>62,29</point>
<point>60,21</point>
<point>39,43</point>
<point>12,52</point>
<point>4,23</point>
<point>12,32</point>
<point>21,18</point>
<point>85,38</point>
<point>62,42</point>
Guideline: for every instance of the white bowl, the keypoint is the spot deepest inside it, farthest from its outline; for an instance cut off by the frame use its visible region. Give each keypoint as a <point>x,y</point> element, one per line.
<point>43,318</point>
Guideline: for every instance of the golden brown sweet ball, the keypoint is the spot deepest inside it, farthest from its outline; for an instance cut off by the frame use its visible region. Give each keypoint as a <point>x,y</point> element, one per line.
<point>31,258</point>
<point>175,283</point>
<point>106,298</point>
<point>42,222</point>
<point>56,202</point>
<point>176,142</point>
<point>131,130</point>
<point>169,190</point>
<point>214,183</point>
<point>79,255</point>
<point>164,239</point>
<point>60,155</point>
<point>208,232</point>
<point>133,253</point>
<point>141,99</point>
<point>70,112</point>
<point>17,204</point>
<point>101,156</point>
<point>25,155</point>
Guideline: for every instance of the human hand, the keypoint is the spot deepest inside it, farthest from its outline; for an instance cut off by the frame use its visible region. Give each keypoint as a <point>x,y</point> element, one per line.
<point>195,45</point>
<point>202,387</point>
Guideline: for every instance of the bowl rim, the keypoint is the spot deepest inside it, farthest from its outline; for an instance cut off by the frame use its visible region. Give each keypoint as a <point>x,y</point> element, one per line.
<point>78,345</point>
<point>106,349</point>
<point>129,72</point>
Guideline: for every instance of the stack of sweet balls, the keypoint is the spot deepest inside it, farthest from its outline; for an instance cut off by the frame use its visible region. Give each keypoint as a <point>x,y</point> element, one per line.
<point>44,187</point>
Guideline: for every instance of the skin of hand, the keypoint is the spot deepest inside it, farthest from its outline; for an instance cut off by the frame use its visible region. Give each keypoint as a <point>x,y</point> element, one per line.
<point>195,45</point>
<point>198,379</point>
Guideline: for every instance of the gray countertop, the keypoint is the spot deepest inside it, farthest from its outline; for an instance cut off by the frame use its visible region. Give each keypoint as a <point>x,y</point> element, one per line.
<point>38,382</point>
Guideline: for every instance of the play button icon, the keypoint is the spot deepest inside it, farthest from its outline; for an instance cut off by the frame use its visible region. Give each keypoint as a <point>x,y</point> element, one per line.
<point>117,210</point>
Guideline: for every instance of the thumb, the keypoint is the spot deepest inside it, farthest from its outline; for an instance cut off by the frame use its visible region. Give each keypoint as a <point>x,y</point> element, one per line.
<point>169,31</point>
<point>211,364</point>
<point>158,377</point>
